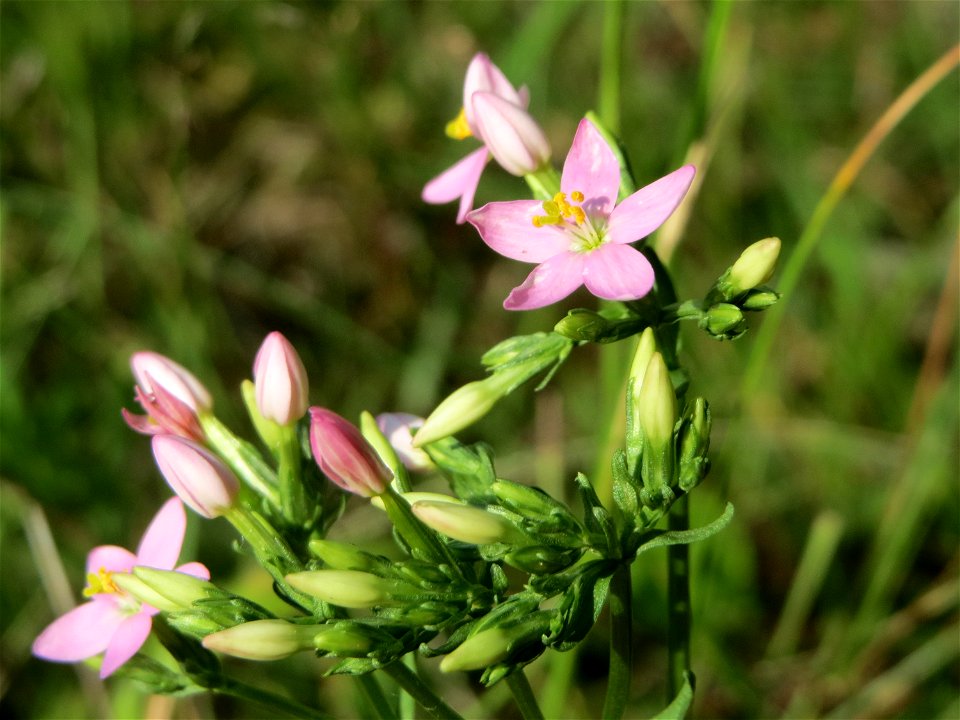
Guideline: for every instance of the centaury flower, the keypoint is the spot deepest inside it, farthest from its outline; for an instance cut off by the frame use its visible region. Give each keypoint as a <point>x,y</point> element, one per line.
<point>495,113</point>
<point>582,236</point>
<point>114,622</point>
<point>171,396</point>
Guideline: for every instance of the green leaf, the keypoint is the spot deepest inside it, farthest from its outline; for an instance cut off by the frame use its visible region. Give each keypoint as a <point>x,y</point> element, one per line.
<point>677,709</point>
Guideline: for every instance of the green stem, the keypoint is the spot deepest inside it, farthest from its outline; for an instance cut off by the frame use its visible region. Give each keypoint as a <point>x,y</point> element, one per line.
<point>242,691</point>
<point>523,694</point>
<point>417,689</point>
<point>293,500</point>
<point>544,184</point>
<point>242,458</point>
<point>374,694</point>
<point>417,534</point>
<point>621,643</point>
<point>407,705</point>
<point>678,600</point>
<point>608,102</point>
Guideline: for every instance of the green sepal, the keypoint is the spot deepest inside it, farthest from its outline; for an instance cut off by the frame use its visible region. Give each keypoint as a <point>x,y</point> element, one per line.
<point>156,677</point>
<point>197,663</point>
<point>468,468</point>
<point>579,609</point>
<point>523,356</point>
<point>599,524</point>
<point>624,488</point>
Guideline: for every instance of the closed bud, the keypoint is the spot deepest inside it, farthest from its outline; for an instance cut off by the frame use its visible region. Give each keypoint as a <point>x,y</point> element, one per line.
<point>464,406</point>
<point>398,428</point>
<point>179,588</point>
<point>511,135</point>
<point>195,475</point>
<point>263,639</point>
<point>466,523</point>
<point>346,588</point>
<point>479,652</point>
<point>342,639</point>
<point>344,455</point>
<point>646,347</point>
<point>724,321</point>
<point>417,496</point>
<point>757,300</point>
<point>136,587</point>
<point>281,381</point>
<point>694,443</point>
<point>754,266</point>
<point>657,404</point>
<point>342,556</point>
<point>542,559</point>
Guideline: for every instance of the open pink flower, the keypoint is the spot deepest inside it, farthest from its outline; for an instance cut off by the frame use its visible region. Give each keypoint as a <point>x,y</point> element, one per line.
<point>495,113</point>
<point>113,622</point>
<point>582,237</point>
<point>171,396</point>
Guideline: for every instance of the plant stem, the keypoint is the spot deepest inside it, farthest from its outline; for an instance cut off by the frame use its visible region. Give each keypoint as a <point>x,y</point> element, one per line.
<point>417,689</point>
<point>621,643</point>
<point>608,103</point>
<point>293,501</point>
<point>242,691</point>
<point>242,458</point>
<point>407,706</point>
<point>523,694</point>
<point>374,694</point>
<point>678,601</point>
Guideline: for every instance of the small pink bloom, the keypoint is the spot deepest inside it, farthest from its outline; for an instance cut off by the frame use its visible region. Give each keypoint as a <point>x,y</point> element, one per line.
<point>171,396</point>
<point>113,622</point>
<point>397,428</point>
<point>582,236</point>
<point>495,113</point>
<point>280,380</point>
<point>344,455</point>
<point>195,474</point>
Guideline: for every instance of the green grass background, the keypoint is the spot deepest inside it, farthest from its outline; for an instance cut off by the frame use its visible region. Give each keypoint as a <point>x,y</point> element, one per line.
<point>186,177</point>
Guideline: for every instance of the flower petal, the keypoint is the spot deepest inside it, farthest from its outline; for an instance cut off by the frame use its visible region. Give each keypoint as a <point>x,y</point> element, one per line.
<point>161,543</point>
<point>83,632</point>
<point>511,135</point>
<point>111,558</point>
<point>617,272</point>
<point>508,228</point>
<point>458,181</point>
<point>484,76</point>
<point>647,209</point>
<point>592,168</point>
<point>552,281</point>
<point>128,638</point>
<point>195,569</point>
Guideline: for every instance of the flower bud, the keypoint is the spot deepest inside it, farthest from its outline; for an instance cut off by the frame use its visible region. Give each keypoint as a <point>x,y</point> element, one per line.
<point>346,588</point>
<point>465,523</point>
<point>754,266</point>
<point>479,652</point>
<point>196,475</point>
<point>345,456</point>
<point>757,300</point>
<point>646,347</point>
<point>657,404</point>
<point>693,445</point>
<point>262,639</point>
<point>343,556</point>
<point>511,135</point>
<point>342,639</point>
<point>543,559</point>
<point>136,587</point>
<point>281,381</point>
<point>397,428</point>
<point>724,321</point>
<point>464,406</point>
<point>153,372</point>
<point>417,496</point>
<point>179,588</point>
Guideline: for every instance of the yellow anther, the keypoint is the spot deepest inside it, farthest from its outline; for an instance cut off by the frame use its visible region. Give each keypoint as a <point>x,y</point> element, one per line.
<point>99,582</point>
<point>551,208</point>
<point>458,129</point>
<point>579,215</point>
<point>576,196</point>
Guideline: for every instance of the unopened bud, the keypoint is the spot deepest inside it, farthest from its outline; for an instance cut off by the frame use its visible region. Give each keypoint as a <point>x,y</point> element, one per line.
<point>346,588</point>
<point>479,652</point>
<point>179,589</point>
<point>417,496</point>
<point>542,559</point>
<point>657,404</point>
<point>282,387</point>
<point>342,556</point>
<point>398,428</point>
<point>757,300</point>
<point>511,135</point>
<point>200,479</point>
<point>754,267</point>
<point>345,456</point>
<point>694,443</point>
<point>342,639</point>
<point>466,523</point>
<point>724,321</point>
<point>463,407</point>
<point>263,639</point>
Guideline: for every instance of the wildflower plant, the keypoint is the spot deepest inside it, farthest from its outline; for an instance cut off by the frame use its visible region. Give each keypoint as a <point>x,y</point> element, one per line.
<point>494,573</point>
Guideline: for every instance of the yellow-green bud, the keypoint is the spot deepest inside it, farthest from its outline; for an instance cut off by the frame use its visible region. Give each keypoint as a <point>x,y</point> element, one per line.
<point>263,639</point>
<point>417,496</point>
<point>754,266</point>
<point>724,321</point>
<point>646,347</point>
<point>346,588</point>
<point>342,556</point>
<point>465,405</point>
<point>166,590</point>
<point>479,652</point>
<point>657,404</point>
<point>342,639</point>
<point>144,593</point>
<point>465,523</point>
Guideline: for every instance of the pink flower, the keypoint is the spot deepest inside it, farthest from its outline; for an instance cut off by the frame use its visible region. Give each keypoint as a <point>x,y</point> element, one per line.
<point>171,396</point>
<point>345,456</point>
<point>582,237</point>
<point>398,429</point>
<point>495,113</point>
<point>113,622</point>
<point>280,380</point>
<point>195,474</point>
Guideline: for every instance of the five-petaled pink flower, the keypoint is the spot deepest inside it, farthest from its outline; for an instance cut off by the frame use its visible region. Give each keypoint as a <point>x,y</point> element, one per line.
<point>495,113</point>
<point>582,236</point>
<point>113,622</point>
<point>171,396</point>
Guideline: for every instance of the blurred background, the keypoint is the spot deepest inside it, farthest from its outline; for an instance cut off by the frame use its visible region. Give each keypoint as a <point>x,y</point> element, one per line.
<point>186,177</point>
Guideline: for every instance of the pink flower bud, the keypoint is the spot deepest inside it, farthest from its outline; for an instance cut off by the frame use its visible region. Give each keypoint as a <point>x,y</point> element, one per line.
<point>397,428</point>
<point>345,456</point>
<point>485,77</point>
<point>196,475</point>
<point>511,135</point>
<point>154,372</point>
<point>280,380</point>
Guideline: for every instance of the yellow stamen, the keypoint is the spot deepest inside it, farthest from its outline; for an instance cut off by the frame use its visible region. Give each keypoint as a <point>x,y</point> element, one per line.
<point>458,129</point>
<point>560,210</point>
<point>99,583</point>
